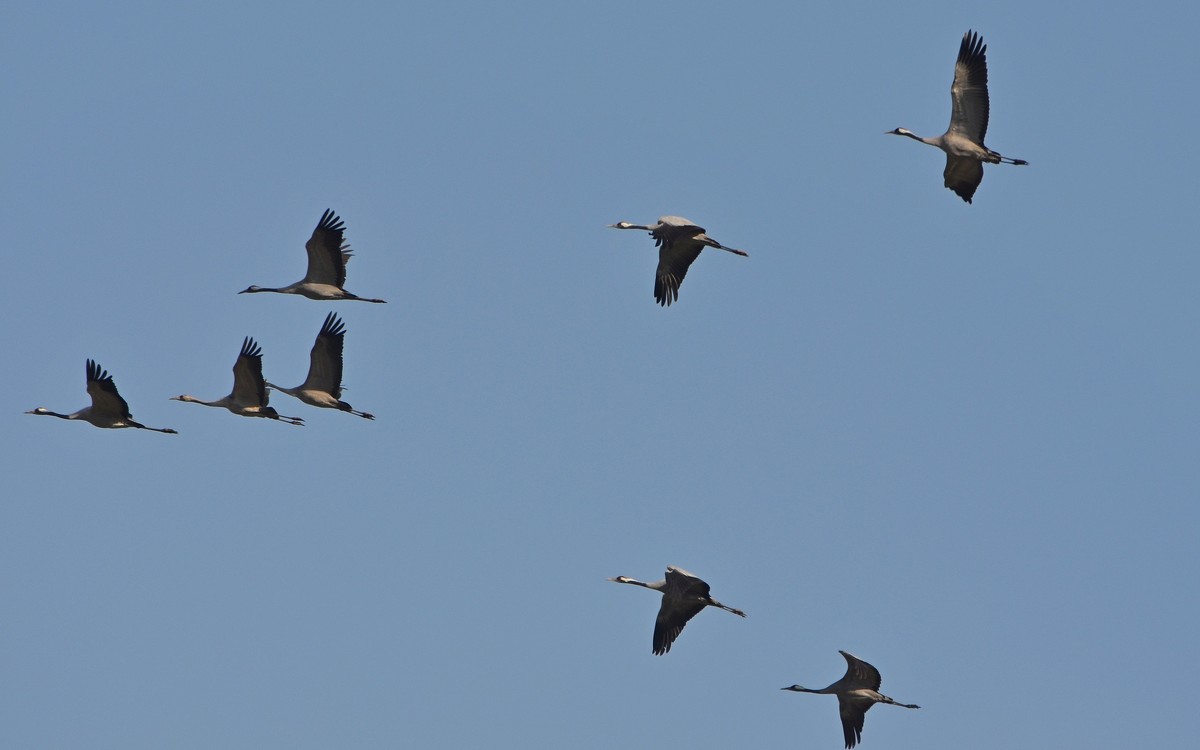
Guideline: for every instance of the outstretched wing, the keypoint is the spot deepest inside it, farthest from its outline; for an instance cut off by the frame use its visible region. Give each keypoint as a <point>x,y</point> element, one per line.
<point>102,389</point>
<point>249,388</point>
<point>860,674</point>
<point>684,595</point>
<point>325,359</point>
<point>968,92</point>
<point>327,251</point>
<point>963,175</point>
<point>675,256</point>
<point>672,616</point>
<point>854,713</point>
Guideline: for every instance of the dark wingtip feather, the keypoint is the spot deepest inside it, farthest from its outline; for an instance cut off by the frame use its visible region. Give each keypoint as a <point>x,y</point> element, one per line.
<point>666,290</point>
<point>250,348</point>
<point>331,221</point>
<point>96,373</point>
<point>333,326</point>
<point>972,46</point>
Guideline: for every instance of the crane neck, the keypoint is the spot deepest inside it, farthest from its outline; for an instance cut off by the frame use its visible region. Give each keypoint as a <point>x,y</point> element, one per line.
<point>48,413</point>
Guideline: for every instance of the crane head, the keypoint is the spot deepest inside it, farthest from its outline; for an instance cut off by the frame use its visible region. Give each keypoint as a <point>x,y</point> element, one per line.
<point>898,131</point>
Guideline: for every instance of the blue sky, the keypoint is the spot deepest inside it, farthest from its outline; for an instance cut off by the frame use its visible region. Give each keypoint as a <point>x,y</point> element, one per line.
<point>957,441</point>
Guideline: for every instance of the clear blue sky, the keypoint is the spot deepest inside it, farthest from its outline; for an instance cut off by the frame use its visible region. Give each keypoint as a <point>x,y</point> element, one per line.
<point>958,441</point>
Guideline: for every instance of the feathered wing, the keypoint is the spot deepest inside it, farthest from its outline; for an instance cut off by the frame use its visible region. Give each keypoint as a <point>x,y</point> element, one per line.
<point>325,359</point>
<point>674,259</point>
<point>249,388</point>
<point>327,251</point>
<point>963,175</point>
<point>102,389</point>
<point>684,595</point>
<point>854,714</point>
<point>672,616</point>
<point>968,92</point>
<point>860,674</point>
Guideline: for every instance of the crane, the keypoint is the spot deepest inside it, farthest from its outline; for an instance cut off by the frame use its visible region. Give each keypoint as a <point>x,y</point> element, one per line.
<point>683,596</point>
<point>963,140</point>
<point>108,409</point>
<point>327,258</point>
<point>249,396</point>
<point>679,242</point>
<point>856,692</point>
<point>323,386</point>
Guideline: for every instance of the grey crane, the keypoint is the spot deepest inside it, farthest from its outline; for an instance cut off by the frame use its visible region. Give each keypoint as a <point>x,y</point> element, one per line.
<point>963,140</point>
<point>249,396</point>
<point>323,386</point>
<point>683,596</point>
<point>328,254</point>
<point>108,409</point>
<point>679,242</point>
<point>856,692</point>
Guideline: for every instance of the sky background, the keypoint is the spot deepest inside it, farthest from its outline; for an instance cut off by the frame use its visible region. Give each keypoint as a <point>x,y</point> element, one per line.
<point>959,441</point>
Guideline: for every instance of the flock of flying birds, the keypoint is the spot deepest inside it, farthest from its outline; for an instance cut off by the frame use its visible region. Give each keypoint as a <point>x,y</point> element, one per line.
<point>680,242</point>
<point>684,595</point>
<point>328,253</point>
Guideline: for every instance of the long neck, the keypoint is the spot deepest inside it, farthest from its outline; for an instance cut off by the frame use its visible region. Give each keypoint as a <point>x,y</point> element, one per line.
<point>193,400</point>
<point>627,225</point>
<point>653,586</point>
<point>48,413</point>
<point>935,142</point>
<point>288,391</point>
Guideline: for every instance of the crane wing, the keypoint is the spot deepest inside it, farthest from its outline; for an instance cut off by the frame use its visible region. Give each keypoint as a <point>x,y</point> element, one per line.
<point>327,252</point>
<point>325,359</point>
<point>672,616</point>
<point>854,713</point>
<point>102,389</point>
<point>963,175</point>
<point>968,92</point>
<point>249,388</point>
<point>681,583</point>
<point>674,259</point>
<point>860,674</point>
<point>684,595</point>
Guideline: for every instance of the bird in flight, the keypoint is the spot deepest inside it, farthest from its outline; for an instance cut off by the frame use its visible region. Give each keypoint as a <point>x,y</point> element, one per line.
<point>108,409</point>
<point>963,140</point>
<point>328,254</point>
<point>249,396</point>
<point>683,596</point>
<point>323,386</point>
<point>679,243</point>
<point>856,692</point>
